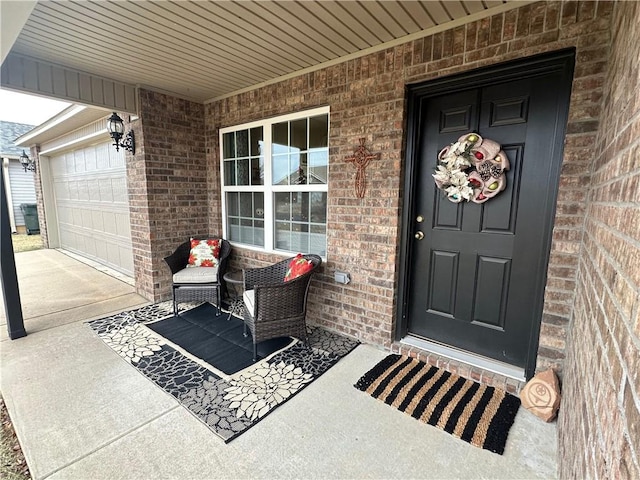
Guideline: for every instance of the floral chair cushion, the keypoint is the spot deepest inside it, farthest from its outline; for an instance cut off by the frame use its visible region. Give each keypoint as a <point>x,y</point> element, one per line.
<point>204,253</point>
<point>298,266</point>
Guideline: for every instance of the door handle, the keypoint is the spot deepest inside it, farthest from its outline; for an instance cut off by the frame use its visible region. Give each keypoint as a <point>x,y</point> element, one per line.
<point>419,235</point>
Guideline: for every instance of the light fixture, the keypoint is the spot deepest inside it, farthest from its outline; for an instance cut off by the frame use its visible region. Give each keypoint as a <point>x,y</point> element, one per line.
<point>28,164</point>
<point>116,131</point>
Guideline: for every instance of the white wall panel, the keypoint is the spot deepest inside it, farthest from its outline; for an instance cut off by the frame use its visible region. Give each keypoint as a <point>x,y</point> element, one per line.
<point>31,75</point>
<point>22,189</point>
<point>94,187</point>
<point>96,220</point>
<point>83,190</point>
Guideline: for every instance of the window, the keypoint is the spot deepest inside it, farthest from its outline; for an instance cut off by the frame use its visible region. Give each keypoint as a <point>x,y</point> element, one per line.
<point>274,182</point>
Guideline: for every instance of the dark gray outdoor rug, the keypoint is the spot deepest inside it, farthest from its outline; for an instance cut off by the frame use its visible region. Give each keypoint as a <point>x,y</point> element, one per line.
<point>204,361</point>
<point>475,413</point>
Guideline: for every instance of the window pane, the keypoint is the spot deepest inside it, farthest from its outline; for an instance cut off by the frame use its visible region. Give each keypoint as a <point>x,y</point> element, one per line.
<point>280,169</point>
<point>229,145</point>
<point>318,207</point>
<point>258,205</point>
<point>319,131</point>
<point>246,204</point>
<point>298,129</point>
<point>242,143</point>
<point>234,229</point>
<point>258,223</point>
<point>282,206</point>
<point>299,238</point>
<point>258,234</point>
<point>280,138</point>
<point>294,169</point>
<point>232,204</point>
<point>243,172</point>
<point>300,206</point>
<point>318,240</point>
<point>229,172</point>
<point>246,230</point>
<point>318,162</point>
<point>300,222</point>
<point>256,141</point>
<point>257,171</point>
<point>282,236</point>
<point>290,169</point>
<point>242,210</point>
<point>300,177</point>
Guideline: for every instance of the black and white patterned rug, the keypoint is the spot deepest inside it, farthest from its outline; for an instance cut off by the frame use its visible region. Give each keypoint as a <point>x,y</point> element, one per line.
<point>229,404</point>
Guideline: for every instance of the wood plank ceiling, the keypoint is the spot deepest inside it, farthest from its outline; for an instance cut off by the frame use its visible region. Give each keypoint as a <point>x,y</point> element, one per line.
<point>203,50</point>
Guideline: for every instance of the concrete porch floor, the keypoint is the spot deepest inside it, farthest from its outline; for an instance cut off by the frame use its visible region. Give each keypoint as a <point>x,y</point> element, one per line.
<point>81,412</point>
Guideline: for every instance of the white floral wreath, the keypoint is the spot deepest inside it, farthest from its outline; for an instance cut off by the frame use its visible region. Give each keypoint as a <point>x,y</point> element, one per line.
<point>484,181</point>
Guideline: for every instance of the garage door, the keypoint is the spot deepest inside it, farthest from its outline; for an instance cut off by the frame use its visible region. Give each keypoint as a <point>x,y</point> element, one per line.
<point>90,190</point>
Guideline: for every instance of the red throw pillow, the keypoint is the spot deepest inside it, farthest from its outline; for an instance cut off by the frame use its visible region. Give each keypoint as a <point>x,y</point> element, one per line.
<point>298,266</point>
<point>204,253</point>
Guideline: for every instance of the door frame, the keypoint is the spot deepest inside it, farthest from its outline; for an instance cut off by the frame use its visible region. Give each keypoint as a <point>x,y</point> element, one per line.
<point>562,61</point>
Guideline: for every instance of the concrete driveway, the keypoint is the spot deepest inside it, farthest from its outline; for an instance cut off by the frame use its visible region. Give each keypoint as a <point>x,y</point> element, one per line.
<point>57,289</point>
<point>81,412</point>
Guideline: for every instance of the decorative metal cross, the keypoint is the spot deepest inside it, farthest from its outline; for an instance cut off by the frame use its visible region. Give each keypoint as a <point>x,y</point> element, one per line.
<point>361,158</point>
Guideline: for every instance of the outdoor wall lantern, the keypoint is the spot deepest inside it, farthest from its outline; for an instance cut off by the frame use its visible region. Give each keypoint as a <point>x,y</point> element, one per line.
<point>116,130</point>
<point>28,164</point>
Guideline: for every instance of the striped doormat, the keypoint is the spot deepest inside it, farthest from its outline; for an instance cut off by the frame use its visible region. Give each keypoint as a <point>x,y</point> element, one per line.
<point>475,413</point>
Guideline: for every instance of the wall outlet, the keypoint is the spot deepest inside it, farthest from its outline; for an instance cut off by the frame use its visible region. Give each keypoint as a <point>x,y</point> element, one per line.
<point>342,277</point>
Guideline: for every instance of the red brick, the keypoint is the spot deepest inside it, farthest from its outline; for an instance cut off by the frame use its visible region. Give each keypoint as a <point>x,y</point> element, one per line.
<point>601,353</point>
<point>495,32</point>
<point>569,12</point>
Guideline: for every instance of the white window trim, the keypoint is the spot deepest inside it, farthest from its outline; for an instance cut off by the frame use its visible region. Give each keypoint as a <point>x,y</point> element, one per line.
<point>267,188</point>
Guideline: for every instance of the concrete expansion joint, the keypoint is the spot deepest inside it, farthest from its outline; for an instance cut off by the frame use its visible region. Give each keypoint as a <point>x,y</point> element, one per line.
<point>109,442</point>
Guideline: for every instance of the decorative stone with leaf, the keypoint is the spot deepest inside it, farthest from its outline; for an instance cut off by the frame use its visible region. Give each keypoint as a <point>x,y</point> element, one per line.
<point>541,395</point>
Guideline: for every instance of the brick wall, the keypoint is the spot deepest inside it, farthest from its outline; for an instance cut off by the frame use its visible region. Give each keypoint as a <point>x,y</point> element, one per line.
<point>167,180</point>
<point>367,99</point>
<point>599,425</point>
<point>34,153</point>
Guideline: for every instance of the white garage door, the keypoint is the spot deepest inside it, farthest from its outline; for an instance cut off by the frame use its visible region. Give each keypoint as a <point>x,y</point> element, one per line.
<point>90,189</point>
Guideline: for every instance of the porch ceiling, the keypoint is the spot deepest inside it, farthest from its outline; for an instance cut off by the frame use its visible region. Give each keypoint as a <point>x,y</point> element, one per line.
<point>202,50</point>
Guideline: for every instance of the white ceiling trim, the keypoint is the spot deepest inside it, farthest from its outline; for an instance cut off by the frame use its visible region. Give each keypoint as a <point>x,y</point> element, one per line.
<point>69,112</point>
<point>501,8</point>
<point>31,75</point>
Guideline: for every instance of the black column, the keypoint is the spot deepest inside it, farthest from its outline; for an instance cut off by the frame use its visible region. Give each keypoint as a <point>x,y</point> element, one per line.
<point>12,306</point>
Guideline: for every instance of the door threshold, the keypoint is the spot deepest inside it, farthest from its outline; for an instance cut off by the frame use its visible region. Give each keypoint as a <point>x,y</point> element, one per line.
<point>472,359</point>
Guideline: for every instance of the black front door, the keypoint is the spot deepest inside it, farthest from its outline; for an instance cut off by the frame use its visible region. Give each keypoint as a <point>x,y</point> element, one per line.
<point>475,280</point>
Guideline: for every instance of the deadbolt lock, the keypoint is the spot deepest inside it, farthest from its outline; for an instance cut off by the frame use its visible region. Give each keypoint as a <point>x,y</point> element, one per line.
<point>419,219</point>
<point>419,235</point>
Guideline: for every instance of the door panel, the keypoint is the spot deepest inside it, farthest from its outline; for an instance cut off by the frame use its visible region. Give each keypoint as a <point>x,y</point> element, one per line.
<point>475,280</point>
<point>444,281</point>
<point>492,288</point>
<point>447,215</point>
<point>499,216</point>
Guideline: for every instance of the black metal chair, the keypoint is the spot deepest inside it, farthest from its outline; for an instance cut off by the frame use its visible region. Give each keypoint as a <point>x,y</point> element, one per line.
<point>197,284</point>
<point>275,308</point>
